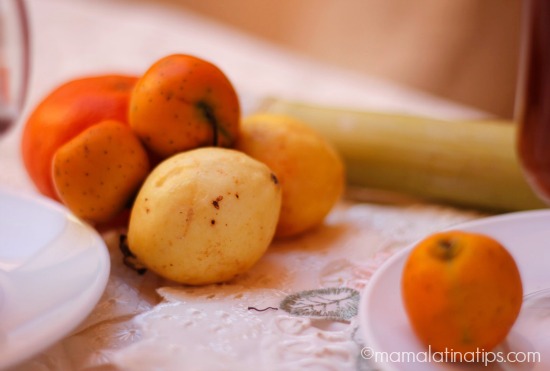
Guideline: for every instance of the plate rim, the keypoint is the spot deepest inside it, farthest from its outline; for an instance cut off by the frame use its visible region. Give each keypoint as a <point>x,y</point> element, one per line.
<point>88,298</point>
<point>366,294</point>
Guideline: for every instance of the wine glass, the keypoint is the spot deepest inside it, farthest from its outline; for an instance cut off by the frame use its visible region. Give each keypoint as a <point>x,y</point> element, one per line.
<point>533,142</point>
<point>14,61</point>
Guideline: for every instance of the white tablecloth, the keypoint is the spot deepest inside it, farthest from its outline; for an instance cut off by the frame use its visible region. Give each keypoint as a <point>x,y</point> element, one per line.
<point>145,323</point>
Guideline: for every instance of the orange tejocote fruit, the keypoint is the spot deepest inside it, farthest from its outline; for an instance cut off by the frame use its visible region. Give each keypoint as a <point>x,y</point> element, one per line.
<point>462,291</point>
<point>99,171</point>
<point>64,113</point>
<point>183,102</point>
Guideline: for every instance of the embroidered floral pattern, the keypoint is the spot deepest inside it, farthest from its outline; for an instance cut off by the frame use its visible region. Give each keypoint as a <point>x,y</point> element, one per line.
<point>337,303</point>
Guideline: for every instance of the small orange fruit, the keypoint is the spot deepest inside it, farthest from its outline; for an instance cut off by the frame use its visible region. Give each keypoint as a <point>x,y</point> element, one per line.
<point>98,172</point>
<point>183,102</point>
<point>64,113</point>
<point>462,291</point>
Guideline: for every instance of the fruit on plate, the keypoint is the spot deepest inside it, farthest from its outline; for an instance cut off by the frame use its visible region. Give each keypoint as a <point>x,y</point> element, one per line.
<point>204,215</point>
<point>310,171</point>
<point>64,113</point>
<point>98,172</point>
<point>462,291</point>
<point>183,102</point>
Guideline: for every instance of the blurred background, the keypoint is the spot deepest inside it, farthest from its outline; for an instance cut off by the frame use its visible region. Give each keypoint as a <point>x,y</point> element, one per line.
<point>436,57</point>
<point>462,50</point>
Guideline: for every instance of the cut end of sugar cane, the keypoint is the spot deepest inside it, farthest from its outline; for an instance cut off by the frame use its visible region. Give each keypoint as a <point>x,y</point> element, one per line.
<point>464,163</point>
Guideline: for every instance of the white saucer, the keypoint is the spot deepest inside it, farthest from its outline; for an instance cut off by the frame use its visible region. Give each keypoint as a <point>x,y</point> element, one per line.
<point>53,270</point>
<point>385,327</point>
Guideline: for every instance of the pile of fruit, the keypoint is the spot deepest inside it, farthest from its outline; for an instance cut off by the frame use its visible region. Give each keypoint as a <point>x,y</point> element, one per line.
<point>202,191</point>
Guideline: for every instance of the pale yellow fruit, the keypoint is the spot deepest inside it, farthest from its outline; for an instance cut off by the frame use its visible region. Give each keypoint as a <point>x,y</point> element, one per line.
<point>310,171</point>
<point>205,216</point>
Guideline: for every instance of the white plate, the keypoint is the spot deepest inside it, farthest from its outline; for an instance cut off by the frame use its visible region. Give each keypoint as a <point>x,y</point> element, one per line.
<point>53,270</point>
<point>385,327</point>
